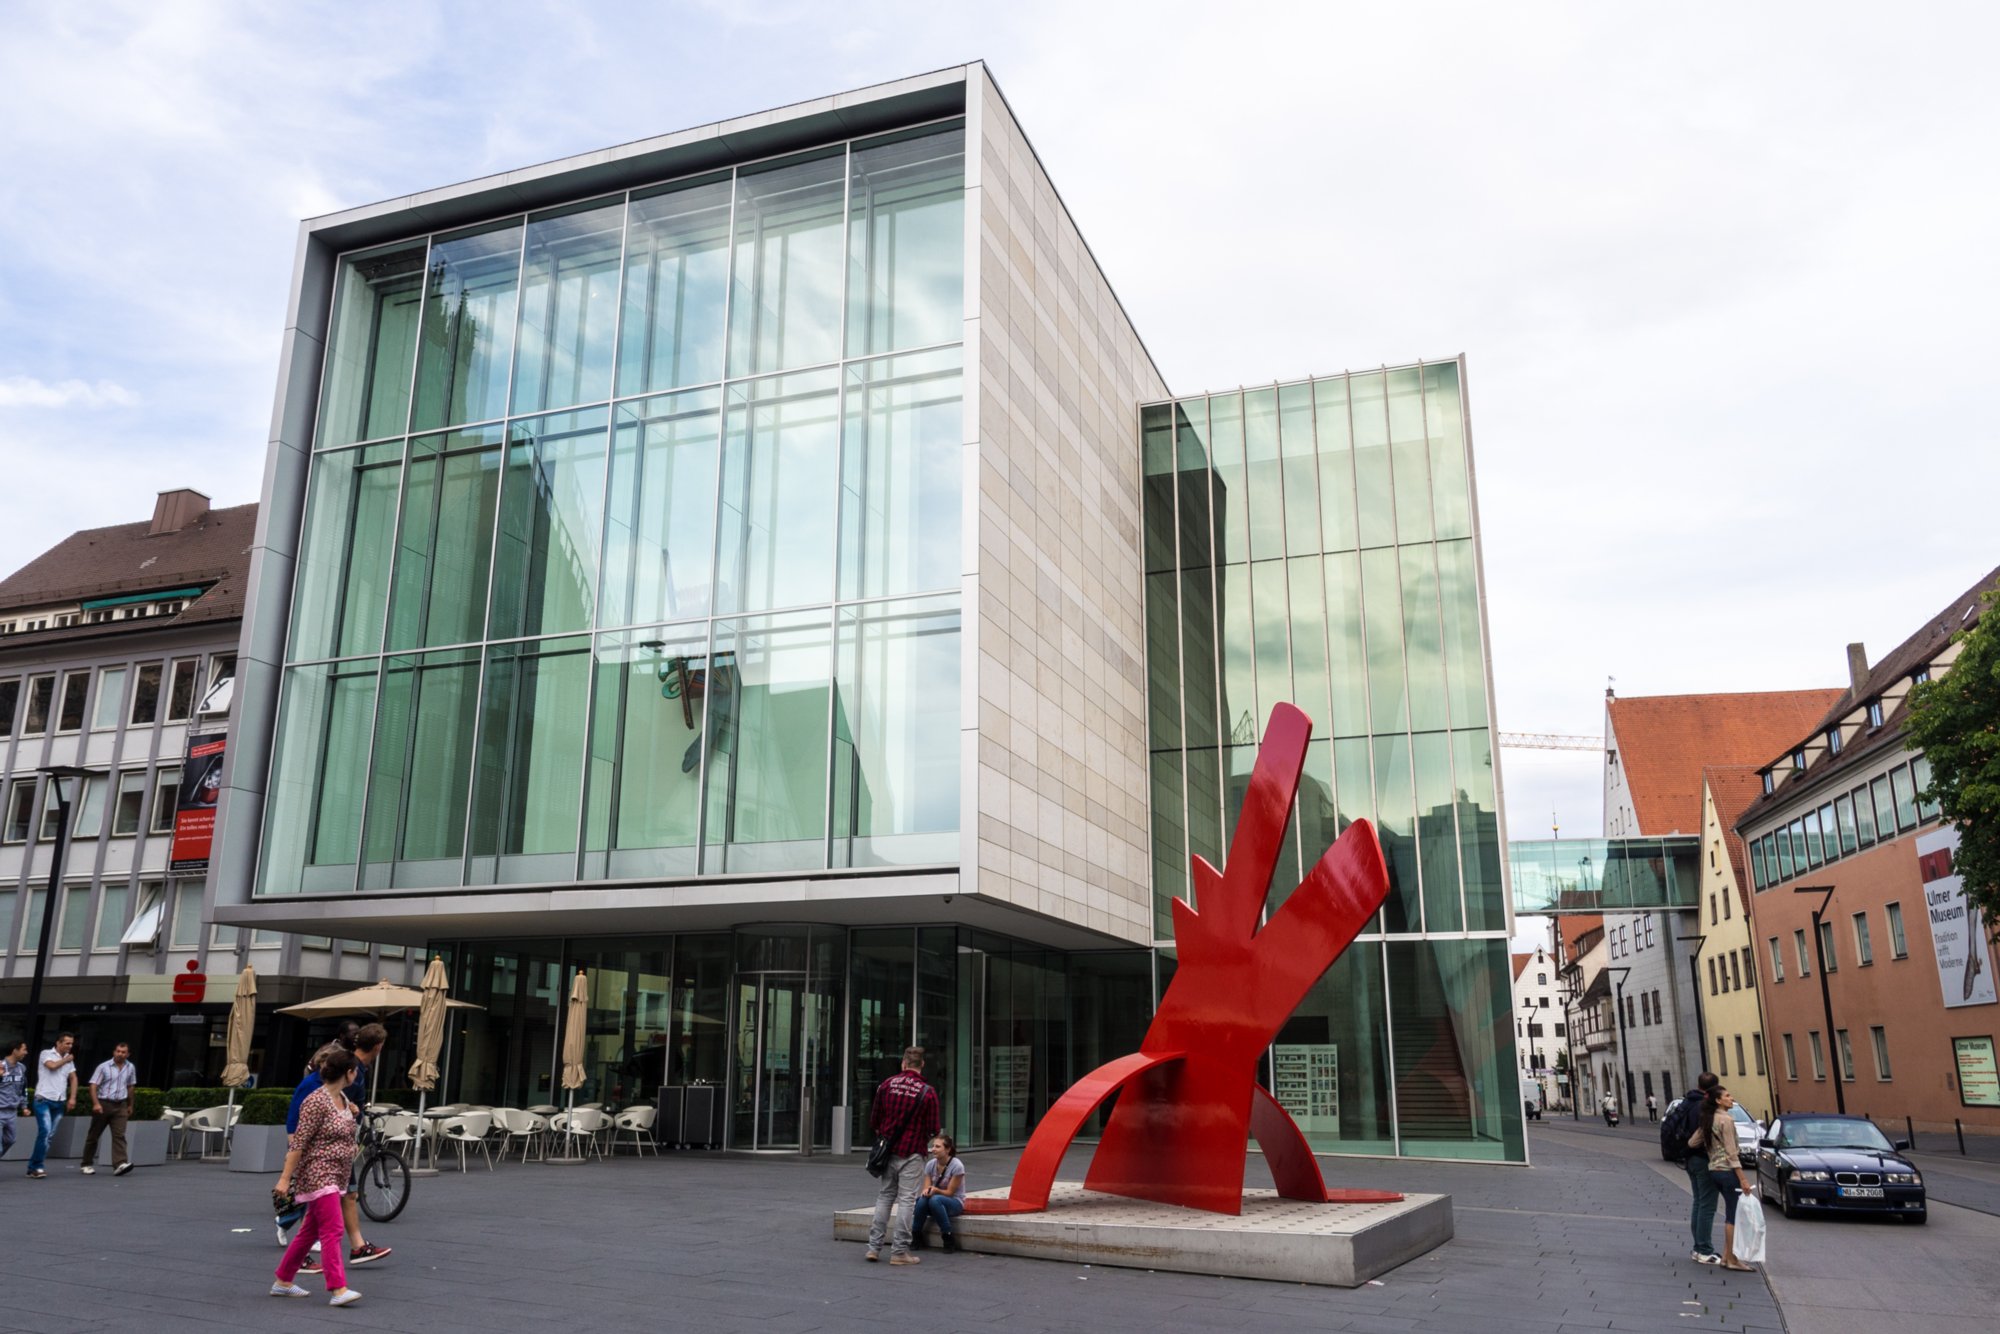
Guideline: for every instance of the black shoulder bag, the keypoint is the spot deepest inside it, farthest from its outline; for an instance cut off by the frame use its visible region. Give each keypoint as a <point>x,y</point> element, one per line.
<point>878,1157</point>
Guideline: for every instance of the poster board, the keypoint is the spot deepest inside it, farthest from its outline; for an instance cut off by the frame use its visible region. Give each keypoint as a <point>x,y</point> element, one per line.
<point>1958,931</point>
<point>194,813</point>
<point>1978,1074</point>
<point>1305,1079</point>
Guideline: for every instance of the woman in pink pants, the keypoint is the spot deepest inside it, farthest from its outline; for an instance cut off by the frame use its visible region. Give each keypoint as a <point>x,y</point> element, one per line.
<point>316,1171</point>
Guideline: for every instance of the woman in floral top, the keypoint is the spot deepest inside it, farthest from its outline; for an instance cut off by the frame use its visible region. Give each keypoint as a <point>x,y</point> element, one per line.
<point>317,1170</point>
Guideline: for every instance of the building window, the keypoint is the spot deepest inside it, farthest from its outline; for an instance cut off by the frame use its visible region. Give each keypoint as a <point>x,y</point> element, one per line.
<point>1885,808</point>
<point>1769,783</point>
<point>1712,989</point>
<point>1721,1057</point>
<point>125,811</point>
<point>1846,1055</point>
<point>1864,951</point>
<point>1757,1050</point>
<point>1874,713</point>
<point>1711,910</point>
<point>41,702</point>
<point>1829,956</point>
<point>166,799</point>
<point>20,811</point>
<point>1920,770</point>
<point>1818,1055</point>
<point>146,696</point>
<point>1735,973</point>
<point>1919,676</point>
<point>10,704</point>
<point>187,917</point>
<point>1799,946</point>
<point>180,694</point>
<point>75,692</point>
<point>1542,980</point>
<point>1843,812</point>
<point>1833,741</point>
<point>1741,1068</point>
<point>1543,1002</point>
<point>110,704</point>
<point>1881,1041</point>
<point>1725,905</point>
<point>1905,793</point>
<point>87,818</point>
<point>1562,1030</point>
<point>1898,949</point>
<point>1791,1059</point>
<point>110,916</point>
<point>1864,817</point>
<point>74,923</point>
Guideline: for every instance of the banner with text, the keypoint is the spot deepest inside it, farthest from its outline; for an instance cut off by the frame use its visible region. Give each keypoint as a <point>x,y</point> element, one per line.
<point>194,818</point>
<point>1958,931</point>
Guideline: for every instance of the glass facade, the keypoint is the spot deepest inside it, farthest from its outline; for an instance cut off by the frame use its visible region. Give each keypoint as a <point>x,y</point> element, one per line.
<point>632,539</point>
<point>1313,543</point>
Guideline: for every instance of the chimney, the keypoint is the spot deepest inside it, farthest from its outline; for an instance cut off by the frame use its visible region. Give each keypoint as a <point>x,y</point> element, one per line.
<point>1857,668</point>
<point>175,510</point>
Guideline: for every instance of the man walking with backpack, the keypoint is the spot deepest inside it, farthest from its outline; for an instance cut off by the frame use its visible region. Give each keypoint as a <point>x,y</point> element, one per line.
<point>1683,1119</point>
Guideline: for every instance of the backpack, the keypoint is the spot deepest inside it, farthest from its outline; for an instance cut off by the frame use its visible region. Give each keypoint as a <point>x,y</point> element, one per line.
<point>1683,1119</point>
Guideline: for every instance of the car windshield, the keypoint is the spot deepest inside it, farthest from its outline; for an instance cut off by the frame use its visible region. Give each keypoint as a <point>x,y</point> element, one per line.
<point>1832,1133</point>
<point>1742,1117</point>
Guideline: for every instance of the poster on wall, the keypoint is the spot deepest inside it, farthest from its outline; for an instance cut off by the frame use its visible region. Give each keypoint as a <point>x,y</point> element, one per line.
<point>194,816</point>
<point>1978,1076</point>
<point>1958,931</point>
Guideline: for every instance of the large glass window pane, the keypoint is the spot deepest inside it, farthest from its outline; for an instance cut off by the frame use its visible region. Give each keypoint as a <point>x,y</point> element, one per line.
<point>88,821</point>
<point>785,274</point>
<point>901,463</point>
<point>312,814</point>
<point>1422,646</point>
<point>1338,528</point>
<point>766,744</point>
<point>1306,575</point>
<point>1273,618</point>
<point>343,572</point>
<point>1330,1062</point>
<point>1300,467</point>
<point>1170,860</point>
<point>41,703</point>
<point>1464,661</point>
<point>1885,808</point>
<point>1395,825</point>
<point>906,244</point>
<point>468,327</point>
<point>1156,467</point>
<point>1204,803</point>
<point>1375,497</point>
<point>75,920</point>
<point>1409,456</point>
<point>1264,475</point>
<point>896,734</point>
<point>1232,510</point>
<point>527,797</point>
<point>569,306</point>
<point>75,691</point>
<point>421,770</point>
<point>1814,855</point>
<point>1239,681</point>
<point>1457,1091</point>
<point>659,544</point>
<point>1163,661</point>
<point>110,699</point>
<point>146,695</point>
<point>110,917</point>
<point>444,547</point>
<point>1381,593</point>
<point>1444,425</point>
<point>644,800</point>
<point>1478,831</point>
<point>1347,664</point>
<point>10,701</point>
<point>1920,774</point>
<point>131,800</point>
<point>551,522</point>
<point>775,546</point>
<point>1906,797</point>
<point>1437,830</point>
<point>1864,816</point>
<point>367,394</point>
<point>676,283</point>
<point>1200,552</point>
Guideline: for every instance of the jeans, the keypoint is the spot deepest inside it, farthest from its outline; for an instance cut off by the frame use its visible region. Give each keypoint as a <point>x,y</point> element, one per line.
<point>940,1209</point>
<point>48,1115</point>
<point>1726,1186</point>
<point>893,1204</point>
<point>323,1225</point>
<point>1702,1218</point>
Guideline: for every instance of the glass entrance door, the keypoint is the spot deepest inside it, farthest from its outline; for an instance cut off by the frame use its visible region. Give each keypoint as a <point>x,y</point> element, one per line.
<point>784,1032</point>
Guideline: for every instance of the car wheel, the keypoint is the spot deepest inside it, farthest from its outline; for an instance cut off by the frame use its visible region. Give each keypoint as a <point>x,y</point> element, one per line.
<point>1918,1219</point>
<point>1785,1204</point>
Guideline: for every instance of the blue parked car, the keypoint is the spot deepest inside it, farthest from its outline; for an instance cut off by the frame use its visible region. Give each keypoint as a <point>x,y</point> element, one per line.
<point>1816,1162</point>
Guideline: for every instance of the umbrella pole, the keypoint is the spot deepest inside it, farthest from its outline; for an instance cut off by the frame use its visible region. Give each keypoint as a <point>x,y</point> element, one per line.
<point>229,1124</point>
<point>569,1132</point>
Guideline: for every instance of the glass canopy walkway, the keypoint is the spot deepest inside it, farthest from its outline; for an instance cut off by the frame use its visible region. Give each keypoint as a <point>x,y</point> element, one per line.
<point>1599,875</point>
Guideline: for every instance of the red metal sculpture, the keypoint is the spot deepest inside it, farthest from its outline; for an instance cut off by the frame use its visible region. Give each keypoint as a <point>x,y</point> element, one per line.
<point>1189,1098</point>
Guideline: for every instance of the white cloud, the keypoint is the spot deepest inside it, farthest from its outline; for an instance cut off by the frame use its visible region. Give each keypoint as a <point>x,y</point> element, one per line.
<point>25,391</point>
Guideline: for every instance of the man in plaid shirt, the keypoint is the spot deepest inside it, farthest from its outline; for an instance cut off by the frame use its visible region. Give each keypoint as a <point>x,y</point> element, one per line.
<point>906,1109</point>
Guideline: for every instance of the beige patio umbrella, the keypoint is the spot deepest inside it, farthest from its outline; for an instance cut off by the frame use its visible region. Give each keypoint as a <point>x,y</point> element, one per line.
<point>575,1019</point>
<point>242,1019</point>
<point>430,1040</point>
<point>379,997</point>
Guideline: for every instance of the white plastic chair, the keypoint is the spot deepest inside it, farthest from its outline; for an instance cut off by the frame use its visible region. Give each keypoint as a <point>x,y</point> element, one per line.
<point>638,1123</point>
<point>468,1131</point>
<point>218,1121</point>
<point>585,1123</point>
<point>520,1127</point>
<point>176,1131</point>
<point>403,1132</point>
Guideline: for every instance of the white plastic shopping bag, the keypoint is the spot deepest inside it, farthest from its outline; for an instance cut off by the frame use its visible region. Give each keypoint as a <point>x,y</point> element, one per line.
<point>1750,1230</point>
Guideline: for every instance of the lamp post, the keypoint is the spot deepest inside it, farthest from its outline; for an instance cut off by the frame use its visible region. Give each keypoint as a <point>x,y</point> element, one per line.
<point>1624,1047</point>
<point>1694,971</point>
<point>1534,1049</point>
<point>61,775</point>
<point>1826,992</point>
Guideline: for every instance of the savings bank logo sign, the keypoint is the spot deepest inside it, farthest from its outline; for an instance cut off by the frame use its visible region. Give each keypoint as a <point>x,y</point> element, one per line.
<point>1189,1099</point>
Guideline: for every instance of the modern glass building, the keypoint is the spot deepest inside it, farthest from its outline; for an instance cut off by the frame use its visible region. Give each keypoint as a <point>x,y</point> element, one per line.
<point>718,564</point>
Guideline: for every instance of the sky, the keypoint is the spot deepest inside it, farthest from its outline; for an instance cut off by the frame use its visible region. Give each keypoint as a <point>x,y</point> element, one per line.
<point>1724,276</point>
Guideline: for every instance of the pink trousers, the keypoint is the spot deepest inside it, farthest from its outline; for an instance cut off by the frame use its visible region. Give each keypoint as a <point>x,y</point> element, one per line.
<point>322,1224</point>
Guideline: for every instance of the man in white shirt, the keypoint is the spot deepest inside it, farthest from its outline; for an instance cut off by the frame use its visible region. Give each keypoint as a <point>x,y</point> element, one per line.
<point>55,1093</point>
<point>110,1105</point>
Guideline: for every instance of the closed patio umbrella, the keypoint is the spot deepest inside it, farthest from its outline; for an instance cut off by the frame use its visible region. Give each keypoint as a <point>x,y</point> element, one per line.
<point>575,1018</point>
<point>242,1020</point>
<point>430,1033</point>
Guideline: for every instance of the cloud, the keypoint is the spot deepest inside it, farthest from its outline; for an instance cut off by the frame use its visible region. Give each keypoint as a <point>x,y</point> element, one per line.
<point>25,391</point>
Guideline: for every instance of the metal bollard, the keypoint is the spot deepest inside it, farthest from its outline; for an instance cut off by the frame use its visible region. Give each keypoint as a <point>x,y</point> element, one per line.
<point>1959,1126</point>
<point>1910,1129</point>
<point>805,1122</point>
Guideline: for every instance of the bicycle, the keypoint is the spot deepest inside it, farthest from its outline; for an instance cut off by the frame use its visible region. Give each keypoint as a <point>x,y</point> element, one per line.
<point>381,1177</point>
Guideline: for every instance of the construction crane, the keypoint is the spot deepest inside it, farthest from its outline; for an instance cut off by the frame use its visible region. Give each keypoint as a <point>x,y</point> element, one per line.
<point>1548,741</point>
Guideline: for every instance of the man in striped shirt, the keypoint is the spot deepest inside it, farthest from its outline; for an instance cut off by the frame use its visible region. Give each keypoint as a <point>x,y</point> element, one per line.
<point>906,1110</point>
<point>111,1105</point>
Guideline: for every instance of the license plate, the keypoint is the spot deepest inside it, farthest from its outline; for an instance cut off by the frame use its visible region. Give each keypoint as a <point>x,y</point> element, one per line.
<point>1861,1192</point>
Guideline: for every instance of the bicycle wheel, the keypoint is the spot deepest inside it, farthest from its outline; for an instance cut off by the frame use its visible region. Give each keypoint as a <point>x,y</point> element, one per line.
<point>384,1185</point>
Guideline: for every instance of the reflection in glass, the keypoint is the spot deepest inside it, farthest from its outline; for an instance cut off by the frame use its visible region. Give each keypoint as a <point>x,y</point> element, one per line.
<point>444,546</point>
<point>421,770</point>
<point>896,734</point>
<point>644,800</point>
<point>1347,665</point>
<point>1395,825</point>
<point>1330,1062</point>
<point>1409,456</point>
<point>343,570</point>
<point>312,815</point>
<point>1156,454</point>
<point>766,744</point>
<point>784,305</point>
<point>659,542</point>
<point>1273,659</point>
<point>1170,862</point>
<point>1464,663</point>
<point>1444,424</point>
<point>569,306</point>
<point>1239,681</point>
<point>1457,1092</point>
<point>1263,476</point>
<point>1423,653</point>
<point>528,771</point>
<point>1300,469</point>
<point>1381,583</point>
<point>468,327</point>
<point>1232,512</point>
<point>1337,523</point>
<point>775,546</point>
<point>1478,831</point>
<point>551,520</point>
<point>1374,496</point>
<point>1437,830</point>
<point>1163,685</point>
<point>374,342</point>
<point>901,460</point>
<point>906,244</point>
<point>676,283</point>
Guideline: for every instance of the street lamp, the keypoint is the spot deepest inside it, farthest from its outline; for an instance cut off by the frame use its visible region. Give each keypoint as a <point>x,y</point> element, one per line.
<point>1624,1047</point>
<point>1534,1049</point>
<point>61,775</point>
<point>1694,971</point>
<point>1826,993</point>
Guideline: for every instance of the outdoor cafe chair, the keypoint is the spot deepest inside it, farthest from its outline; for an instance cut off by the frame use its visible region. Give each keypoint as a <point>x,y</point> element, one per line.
<point>585,1123</point>
<point>216,1121</point>
<point>545,1109</point>
<point>468,1131</point>
<point>176,1130</point>
<point>403,1132</point>
<point>638,1123</point>
<point>515,1126</point>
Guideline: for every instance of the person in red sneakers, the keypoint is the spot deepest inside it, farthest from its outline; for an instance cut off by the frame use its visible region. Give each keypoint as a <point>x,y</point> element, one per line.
<point>317,1169</point>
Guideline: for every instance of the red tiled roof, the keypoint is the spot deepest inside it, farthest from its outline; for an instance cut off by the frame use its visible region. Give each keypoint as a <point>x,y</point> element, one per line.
<point>1734,787</point>
<point>1664,742</point>
<point>1519,961</point>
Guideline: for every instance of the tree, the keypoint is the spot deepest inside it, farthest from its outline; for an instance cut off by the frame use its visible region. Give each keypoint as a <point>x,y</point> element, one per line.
<point>1955,722</point>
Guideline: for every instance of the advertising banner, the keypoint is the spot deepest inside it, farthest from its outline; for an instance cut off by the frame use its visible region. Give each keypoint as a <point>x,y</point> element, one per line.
<point>1958,933</point>
<point>1978,1079</point>
<point>194,818</point>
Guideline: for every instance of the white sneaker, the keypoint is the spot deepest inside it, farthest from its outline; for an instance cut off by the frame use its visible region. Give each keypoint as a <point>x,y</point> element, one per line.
<point>288,1290</point>
<point>345,1297</point>
<point>88,1171</point>
<point>1705,1258</point>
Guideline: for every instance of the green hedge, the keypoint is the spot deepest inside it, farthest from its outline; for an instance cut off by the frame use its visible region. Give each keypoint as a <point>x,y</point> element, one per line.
<point>194,1099</point>
<point>148,1104</point>
<point>261,1108</point>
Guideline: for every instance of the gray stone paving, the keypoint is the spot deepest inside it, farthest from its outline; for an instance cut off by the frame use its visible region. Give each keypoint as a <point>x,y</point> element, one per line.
<point>1582,1240</point>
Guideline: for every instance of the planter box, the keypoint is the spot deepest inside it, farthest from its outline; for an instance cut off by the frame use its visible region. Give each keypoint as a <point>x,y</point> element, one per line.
<point>68,1141</point>
<point>258,1149</point>
<point>146,1141</point>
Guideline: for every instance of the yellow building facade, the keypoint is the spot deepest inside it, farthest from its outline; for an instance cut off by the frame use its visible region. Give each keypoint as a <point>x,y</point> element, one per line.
<point>1732,1021</point>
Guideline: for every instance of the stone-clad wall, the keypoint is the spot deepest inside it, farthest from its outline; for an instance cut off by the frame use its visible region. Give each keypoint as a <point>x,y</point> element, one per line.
<point>1058,630</point>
